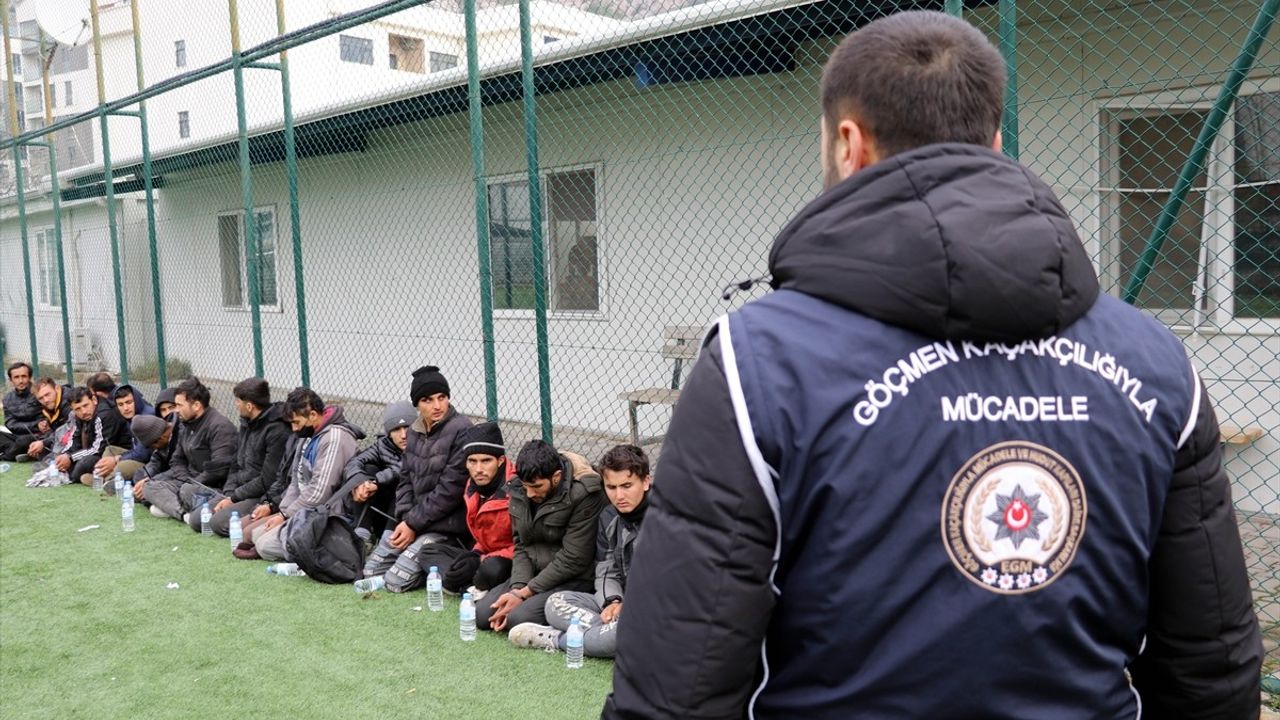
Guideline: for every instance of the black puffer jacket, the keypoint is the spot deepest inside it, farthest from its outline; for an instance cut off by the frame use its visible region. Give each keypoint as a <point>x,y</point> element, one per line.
<point>433,475</point>
<point>206,450</point>
<point>378,463</point>
<point>259,449</point>
<point>22,412</point>
<point>935,451</point>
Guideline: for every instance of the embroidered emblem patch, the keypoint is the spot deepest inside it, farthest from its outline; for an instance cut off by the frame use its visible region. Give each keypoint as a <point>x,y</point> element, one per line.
<point>1013,517</point>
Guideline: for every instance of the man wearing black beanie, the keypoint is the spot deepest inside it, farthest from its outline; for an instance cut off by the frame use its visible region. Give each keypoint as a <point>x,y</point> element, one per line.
<point>433,473</point>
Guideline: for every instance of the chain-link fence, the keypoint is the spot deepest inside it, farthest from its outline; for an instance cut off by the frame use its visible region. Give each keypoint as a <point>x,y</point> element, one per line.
<point>554,221</point>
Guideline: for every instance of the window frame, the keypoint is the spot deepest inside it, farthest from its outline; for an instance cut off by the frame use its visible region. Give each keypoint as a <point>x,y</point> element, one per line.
<point>372,50</point>
<point>244,265</point>
<point>184,124</point>
<point>602,311</point>
<point>48,295</point>
<point>1213,289</point>
<point>180,58</point>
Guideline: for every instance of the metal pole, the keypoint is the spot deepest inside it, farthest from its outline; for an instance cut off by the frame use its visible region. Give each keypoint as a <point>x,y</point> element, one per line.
<point>295,217</point>
<point>18,181</point>
<point>55,199</point>
<point>1195,162</point>
<point>955,7</point>
<point>482,215</point>
<point>246,189</point>
<point>162,358</point>
<point>1009,48</point>
<point>110,193</point>
<point>535,226</point>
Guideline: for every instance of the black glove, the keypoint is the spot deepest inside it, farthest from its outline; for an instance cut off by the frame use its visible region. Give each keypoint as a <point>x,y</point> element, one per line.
<point>459,574</point>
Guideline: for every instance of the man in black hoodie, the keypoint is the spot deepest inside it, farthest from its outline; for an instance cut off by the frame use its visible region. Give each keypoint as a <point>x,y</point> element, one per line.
<point>259,449</point>
<point>936,473</point>
<point>205,453</point>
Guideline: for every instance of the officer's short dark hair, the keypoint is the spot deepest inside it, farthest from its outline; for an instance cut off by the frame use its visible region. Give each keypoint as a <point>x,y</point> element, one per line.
<point>916,78</point>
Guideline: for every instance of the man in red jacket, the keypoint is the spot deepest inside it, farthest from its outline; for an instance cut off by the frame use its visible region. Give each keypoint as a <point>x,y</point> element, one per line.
<point>488,563</point>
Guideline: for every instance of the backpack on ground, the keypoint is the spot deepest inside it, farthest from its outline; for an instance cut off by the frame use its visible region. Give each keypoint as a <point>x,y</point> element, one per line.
<point>324,545</point>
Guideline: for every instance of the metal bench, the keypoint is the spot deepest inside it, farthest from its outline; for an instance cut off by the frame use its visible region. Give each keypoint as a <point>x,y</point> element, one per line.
<point>681,344</point>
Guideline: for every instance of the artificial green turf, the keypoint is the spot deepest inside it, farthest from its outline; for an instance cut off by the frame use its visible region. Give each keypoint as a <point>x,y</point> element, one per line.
<point>88,629</point>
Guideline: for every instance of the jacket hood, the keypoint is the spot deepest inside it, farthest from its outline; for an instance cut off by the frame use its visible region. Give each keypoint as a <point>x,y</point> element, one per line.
<point>334,418</point>
<point>273,413</point>
<point>140,404</point>
<point>950,241</point>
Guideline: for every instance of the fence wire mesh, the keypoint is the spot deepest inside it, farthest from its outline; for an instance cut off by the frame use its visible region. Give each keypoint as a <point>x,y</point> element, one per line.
<point>558,252</point>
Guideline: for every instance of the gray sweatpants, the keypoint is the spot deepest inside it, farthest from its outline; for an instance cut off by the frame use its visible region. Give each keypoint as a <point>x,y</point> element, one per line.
<point>400,570</point>
<point>162,492</point>
<point>598,639</point>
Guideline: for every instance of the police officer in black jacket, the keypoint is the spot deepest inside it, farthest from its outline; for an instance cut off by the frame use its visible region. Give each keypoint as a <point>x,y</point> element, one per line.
<point>936,473</point>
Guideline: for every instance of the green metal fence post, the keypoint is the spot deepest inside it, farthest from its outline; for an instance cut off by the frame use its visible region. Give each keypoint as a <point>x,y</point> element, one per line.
<point>110,194</point>
<point>483,251</point>
<point>535,214</point>
<point>162,357</point>
<point>1195,162</point>
<point>246,189</point>
<point>1009,48</point>
<point>955,7</point>
<point>295,215</point>
<point>18,182</point>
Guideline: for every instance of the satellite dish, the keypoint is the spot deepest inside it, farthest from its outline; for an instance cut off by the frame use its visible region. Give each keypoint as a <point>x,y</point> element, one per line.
<point>66,21</point>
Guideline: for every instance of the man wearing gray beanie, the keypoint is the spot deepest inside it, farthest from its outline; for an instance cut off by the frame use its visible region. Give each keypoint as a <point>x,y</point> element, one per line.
<point>368,495</point>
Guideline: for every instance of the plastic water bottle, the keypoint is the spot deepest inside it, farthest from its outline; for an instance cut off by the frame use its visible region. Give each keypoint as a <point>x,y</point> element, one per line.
<point>234,529</point>
<point>286,569</point>
<point>435,590</point>
<point>97,481</point>
<point>205,516</point>
<point>573,645</point>
<point>126,506</point>
<point>4,468</point>
<point>467,619</point>
<point>364,586</point>
<point>118,481</point>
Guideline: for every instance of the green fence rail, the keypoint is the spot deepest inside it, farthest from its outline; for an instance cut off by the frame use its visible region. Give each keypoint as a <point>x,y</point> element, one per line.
<point>547,199</point>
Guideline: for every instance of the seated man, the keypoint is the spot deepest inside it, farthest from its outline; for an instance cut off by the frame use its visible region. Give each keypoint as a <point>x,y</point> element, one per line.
<point>98,428</point>
<point>373,473</point>
<point>432,477</point>
<point>55,411</point>
<point>205,453</point>
<point>130,404</point>
<point>554,510</point>
<point>22,417</point>
<point>326,442</point>
<point>259,448</point>
<point>488,564</point>
<point>626,482</point>
<point>158,437</point>
<point>165,403</point>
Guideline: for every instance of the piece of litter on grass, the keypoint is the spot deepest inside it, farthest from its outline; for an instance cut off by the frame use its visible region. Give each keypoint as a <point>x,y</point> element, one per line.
<point>89,527</point>
<point>417,608</point>
<point>412,690</point>
<point>175,549</point>
<point>171,586</point>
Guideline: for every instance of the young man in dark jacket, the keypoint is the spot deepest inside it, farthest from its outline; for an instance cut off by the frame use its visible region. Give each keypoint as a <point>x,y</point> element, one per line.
<point>554,511</point>
<point>937,473</point>
<point>259,448</point>
<point>205,453</point>
<point>369,496</point>
<point>157,435</point>
<point>99,428</point>
<point>130,404</point>
<point>55,411</point>
<point>22,418</point>
<point>488,563</point>
<point>625,472</point>
<point>432,476</point>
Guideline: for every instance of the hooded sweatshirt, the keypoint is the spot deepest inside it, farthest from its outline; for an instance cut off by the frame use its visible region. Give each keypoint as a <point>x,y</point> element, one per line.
<point>318,462</point>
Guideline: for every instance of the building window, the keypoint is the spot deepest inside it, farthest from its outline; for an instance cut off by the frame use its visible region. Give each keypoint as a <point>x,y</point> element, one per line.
<point>443,61</point>
<point>47,269</point>
<point>67,97</point>
<point>405,53</point>
<point>17,65</point>
<point>184,124</point>
<point>571,242</point>
<point>231,254</point>
<point>1221,259</point>
<point>354,49</point>
<point>179,53</point>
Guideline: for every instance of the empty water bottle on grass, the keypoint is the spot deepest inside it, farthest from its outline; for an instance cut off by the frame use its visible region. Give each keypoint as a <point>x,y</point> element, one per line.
<point>206,516</point>
<point>4,468</point>
<point>97,481</point>
<point>364,586</point>
<point>573,645</point>
<point>126,506</point>
<point>234,530</point>
<point>435,590</point>
<point>286,569</point>
<point>467,619</point>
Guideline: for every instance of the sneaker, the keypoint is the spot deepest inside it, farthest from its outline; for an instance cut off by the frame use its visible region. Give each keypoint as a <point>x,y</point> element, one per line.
<point>186,518</point>
<point>533,635</point>
<point>246,551</point>
<point>23,458</point>
<point>157,512</point>
<point>477,593</point>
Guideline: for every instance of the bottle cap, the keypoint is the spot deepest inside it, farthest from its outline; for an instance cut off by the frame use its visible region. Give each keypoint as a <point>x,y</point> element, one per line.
<point>435,569</point>
<point>466,596</point>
